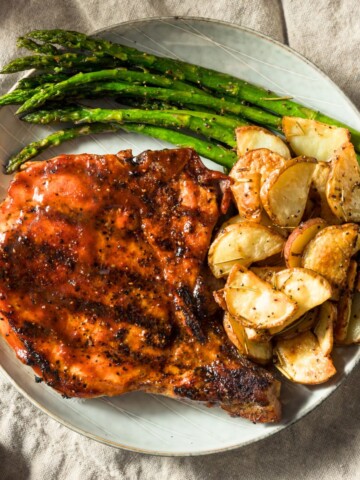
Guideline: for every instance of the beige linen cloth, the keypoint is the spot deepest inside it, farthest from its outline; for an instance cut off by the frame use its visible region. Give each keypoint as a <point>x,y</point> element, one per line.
<point>323,445</point>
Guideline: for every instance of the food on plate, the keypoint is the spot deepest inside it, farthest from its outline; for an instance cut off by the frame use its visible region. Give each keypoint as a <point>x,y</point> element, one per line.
<point>330,251</point>
<point>243,243</point>
<point>260,306</point>
<point>305,287</point>
<point>251,137</point>
<point>324,329</point>
<point>104,289</point>
<point>312,138</point>
<point>343,185</point>
<point>341,324</point>
<point>285,191</point>
<point>297,303</point>
<point>302,360</point>
<point>299,238</point>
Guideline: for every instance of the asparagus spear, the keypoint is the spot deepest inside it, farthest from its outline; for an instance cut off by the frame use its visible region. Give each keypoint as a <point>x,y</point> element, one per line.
<point>44,48</point>
<point>182,97</point>
<point>55,139</point>
<point>217,81</point>
<point>65,60</point>
<point>211,126</point>
<point>32,82</point>
<point>216,153</point>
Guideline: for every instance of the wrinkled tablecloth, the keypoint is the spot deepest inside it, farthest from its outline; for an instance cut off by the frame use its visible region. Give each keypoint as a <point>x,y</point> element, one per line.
<point>323,445</point>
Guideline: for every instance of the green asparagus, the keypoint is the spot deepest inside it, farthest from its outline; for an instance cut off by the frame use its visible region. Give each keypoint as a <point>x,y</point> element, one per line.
<point>44,48</point>
<point>65,60</point>
<point>55,139</point>
<point>35,81</point>
<point>211,126</point>
<point>221,82</point>
<point>181,97</point>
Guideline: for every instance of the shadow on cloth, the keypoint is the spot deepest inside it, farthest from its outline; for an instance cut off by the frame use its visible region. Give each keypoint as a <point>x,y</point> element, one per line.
<point>13,465</point>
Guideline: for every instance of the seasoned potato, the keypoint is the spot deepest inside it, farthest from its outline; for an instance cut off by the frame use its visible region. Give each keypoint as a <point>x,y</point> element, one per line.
<point>252,138</point>
<point>318,190</point>
<point>343,185</point>
<point>257,335</point>
<point>235,331</point>
<point>312,138</point>
<point>246,193</point>
<point>353,331</point>
<point>267,273</point>
<point>345,304</point>
<point>243,243</point>
<point>302,360</point>
<point>329,253</point>
<point>299,238</point>
<point>285,191</point>
<point>219,297</point>
<point>258,304</point>
<point>303,324</point>
<point>324,329</point>
<point>258,351</point>
<point>305,287</point>
<point>261,161</point>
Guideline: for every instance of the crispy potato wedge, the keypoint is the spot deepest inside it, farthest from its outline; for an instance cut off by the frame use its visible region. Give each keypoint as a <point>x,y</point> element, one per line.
<point>306,287</point>
<point>258,351</point>
<point>258,304</point>
<point>285,191</point>
<point>267,273</point>
<point>235,332</point>
<point>345,305</point>
<point>318,192</point>
<point>312,138</point>
<point>261,161</point>
<point>324,329</point>
<point>329,253</point>
<point>303,324</point>
<point>264,220</point>
<point>252,138</point>
<point>353,332</point>
<point>242,243</point>
<point>302,360</point>
<point>299,238</point>
<point>246,193</point>
<point>343,185</point>
<point>257,335</point>
<point>219,297</point>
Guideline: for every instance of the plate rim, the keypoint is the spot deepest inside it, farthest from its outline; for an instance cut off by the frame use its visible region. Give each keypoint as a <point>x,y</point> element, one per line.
<point>309,409</point>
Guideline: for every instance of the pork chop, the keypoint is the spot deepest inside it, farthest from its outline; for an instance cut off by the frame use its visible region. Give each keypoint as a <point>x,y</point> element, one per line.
<point>103,288</point>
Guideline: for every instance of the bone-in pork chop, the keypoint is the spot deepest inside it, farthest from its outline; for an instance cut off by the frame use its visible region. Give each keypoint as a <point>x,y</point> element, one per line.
<point>103,288</point>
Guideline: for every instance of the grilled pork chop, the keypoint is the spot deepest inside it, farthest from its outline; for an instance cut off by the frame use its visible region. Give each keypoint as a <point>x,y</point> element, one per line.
<point>103,288</point>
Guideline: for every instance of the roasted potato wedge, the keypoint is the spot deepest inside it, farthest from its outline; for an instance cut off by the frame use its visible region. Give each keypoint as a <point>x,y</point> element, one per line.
<point>267,273</point>
<point>219,297</point>
<point>312,138</point>
<point>343,185</point>
<point>305,287</point>
<point>299,238</point>
<point>353,331</point>
<point>261,161</point>
<point>246,193</point>
<point>302,360</point>
<point>345,304</point>
<point>242,243</point>
<point>303,324</point>
<point>329,253</point>
<point>324,329</point>
<point>235,331</point>
<point>258,351</point>
<point>318,191</point>
<point>252,138</point>
<point>257,335</point>
<point>258,304</point>
<point>285,191</point>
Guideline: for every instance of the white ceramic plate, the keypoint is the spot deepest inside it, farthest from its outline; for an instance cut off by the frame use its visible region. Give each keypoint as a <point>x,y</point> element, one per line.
<point>148,423</point>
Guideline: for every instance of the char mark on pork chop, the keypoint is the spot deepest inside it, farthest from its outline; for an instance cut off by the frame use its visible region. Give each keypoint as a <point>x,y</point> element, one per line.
<point>103,287</point>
